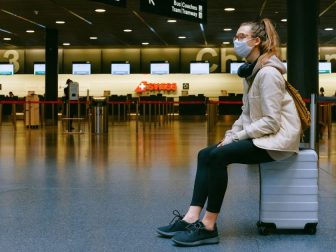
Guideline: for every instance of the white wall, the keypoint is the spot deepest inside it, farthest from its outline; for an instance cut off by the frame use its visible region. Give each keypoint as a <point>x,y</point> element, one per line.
<point>209,85</point>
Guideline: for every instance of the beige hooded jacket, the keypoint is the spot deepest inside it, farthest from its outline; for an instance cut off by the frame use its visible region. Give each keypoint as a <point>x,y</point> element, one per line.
<point>269,116</point>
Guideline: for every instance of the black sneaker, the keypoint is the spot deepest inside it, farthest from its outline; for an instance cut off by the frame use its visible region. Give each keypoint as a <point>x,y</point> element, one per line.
<point>196,235</point>
<point>176,225</point>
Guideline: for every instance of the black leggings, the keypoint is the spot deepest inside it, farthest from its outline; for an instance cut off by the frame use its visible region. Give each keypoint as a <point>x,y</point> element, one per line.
<point>211,176</point>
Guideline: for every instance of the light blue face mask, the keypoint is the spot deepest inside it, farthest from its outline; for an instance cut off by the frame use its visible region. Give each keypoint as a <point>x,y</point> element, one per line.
<point>241,48</point>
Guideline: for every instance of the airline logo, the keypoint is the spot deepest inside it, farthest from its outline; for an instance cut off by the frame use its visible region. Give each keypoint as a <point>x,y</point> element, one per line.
<point>145,86</point>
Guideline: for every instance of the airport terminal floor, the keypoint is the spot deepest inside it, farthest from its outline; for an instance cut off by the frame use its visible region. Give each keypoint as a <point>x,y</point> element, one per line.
<point>109,192</point>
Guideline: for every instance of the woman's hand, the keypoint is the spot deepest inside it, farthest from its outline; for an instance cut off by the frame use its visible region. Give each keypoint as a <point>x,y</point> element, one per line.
<point>226,140</point>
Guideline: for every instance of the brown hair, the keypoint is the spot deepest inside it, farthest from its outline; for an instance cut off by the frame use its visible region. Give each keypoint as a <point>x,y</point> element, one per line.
<point>265,30</point>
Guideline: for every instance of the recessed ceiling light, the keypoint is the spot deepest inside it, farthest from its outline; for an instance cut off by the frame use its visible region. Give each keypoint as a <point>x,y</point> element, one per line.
<point>226,43</point>
<point>30,31</point>
<point>171,21</point>
<point>93,38</point>
<point>100,10</point>
<point>145,43</point>
<point>7,39</point>
<point>182,37</point>
<point>127,30</point>
<point>284,20</point>
<point>329,29</point>
<point>60,22</point>
<point>66,44</point>
<point>229,9</point>
<point>227,29</point>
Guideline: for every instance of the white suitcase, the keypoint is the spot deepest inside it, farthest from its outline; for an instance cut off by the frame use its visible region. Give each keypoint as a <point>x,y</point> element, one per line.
<point>289,194</point>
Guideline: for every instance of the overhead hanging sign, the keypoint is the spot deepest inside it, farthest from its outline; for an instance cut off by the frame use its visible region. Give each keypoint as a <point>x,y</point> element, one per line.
<point>192,10</point>
<point>119,3</point>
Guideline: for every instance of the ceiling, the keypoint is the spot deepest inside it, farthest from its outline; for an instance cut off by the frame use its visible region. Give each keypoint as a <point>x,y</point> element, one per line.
<point>82,22</point>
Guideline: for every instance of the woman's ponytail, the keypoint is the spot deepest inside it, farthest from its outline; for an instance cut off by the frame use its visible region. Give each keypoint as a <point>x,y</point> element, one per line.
<point>271,45</point>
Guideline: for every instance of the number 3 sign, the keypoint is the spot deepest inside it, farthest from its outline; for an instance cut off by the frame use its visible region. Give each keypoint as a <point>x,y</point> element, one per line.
<point>13,58</point>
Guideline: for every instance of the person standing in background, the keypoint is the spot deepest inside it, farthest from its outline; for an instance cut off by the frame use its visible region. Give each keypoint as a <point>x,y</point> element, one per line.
<point>12,107</point>
<point>70,109</point>
<point>321,91</point>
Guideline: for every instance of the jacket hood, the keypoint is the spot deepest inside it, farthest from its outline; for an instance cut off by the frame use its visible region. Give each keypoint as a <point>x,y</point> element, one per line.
<point>273,61</point>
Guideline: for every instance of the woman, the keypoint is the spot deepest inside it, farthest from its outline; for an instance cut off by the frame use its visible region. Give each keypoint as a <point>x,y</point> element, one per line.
<point>268,129</point>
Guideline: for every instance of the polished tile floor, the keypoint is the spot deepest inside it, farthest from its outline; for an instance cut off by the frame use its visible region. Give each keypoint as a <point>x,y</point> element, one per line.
<point>86,192</point>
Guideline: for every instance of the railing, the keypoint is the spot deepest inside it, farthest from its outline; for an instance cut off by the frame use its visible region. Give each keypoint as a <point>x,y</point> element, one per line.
<point>150,111</point>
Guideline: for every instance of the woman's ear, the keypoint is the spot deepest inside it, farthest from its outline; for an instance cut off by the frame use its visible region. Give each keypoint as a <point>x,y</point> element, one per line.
<point>257,41</point>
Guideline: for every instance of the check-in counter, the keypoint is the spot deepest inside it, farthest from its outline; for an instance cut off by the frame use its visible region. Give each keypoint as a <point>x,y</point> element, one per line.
<point>231,105</point>
<point>192,105</point>
<point>7,106</point>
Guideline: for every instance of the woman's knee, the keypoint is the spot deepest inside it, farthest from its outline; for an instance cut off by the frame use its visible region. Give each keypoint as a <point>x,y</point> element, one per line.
<point>205,153</point>
<point>219,157</point>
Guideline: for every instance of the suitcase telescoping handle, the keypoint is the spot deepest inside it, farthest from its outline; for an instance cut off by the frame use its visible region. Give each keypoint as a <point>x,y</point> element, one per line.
<point>312,137</point>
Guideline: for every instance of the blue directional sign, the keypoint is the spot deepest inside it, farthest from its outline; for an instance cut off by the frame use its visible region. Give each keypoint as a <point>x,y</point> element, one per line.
<point>192,10</point>
<point>119,3</point>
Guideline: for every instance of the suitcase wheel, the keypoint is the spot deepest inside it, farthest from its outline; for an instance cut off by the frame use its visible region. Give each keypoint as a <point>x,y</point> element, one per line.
<point>265,228</point>
<point>310,228</point>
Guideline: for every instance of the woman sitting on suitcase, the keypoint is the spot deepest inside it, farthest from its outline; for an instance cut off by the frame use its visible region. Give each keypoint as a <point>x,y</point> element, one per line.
<point>268,129</point>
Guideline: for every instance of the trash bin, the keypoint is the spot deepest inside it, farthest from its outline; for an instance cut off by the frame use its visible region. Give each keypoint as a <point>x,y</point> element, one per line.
<point>99,115</point>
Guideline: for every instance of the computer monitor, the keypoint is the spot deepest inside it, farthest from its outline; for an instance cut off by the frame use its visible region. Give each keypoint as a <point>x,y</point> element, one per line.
<point>120,68</point>
<point>159,68</point>
<point>234,67</point>
<point>199,67</point>
<point>39,68</point>
<point>6,69</point>
<point>324,67</point>
<point>81,68</point>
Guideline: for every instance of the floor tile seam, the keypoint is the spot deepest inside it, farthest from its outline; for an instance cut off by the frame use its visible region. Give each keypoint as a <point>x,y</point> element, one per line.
<point>52,189</point>
<point>14,189</point>
<point>66,188</point>
<point>327,173</point>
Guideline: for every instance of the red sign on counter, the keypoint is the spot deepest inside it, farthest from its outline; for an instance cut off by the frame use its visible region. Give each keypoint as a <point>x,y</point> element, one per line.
<point>145,86</point>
